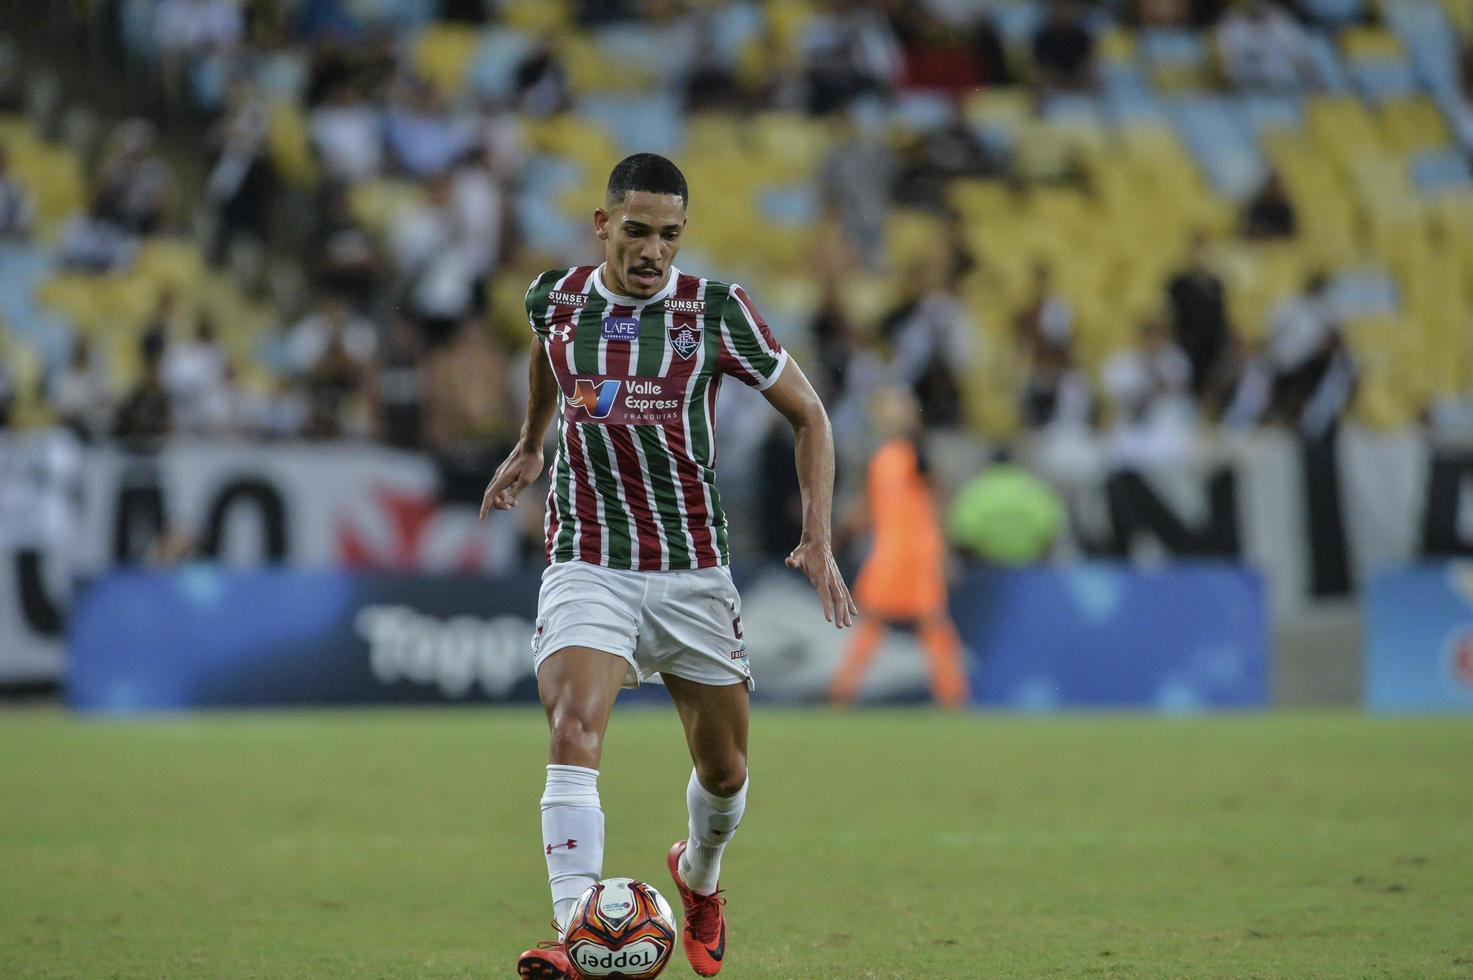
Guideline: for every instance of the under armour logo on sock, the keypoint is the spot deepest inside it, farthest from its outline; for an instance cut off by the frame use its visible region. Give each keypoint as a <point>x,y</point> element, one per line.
<point>570,845</point>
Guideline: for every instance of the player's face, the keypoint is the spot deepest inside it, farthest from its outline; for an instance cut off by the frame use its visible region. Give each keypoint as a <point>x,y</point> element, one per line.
<point>641,235</point>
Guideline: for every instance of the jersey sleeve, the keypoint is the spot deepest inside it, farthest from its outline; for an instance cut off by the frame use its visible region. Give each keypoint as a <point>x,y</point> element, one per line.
<point>536,304</point>
<point>748,349</point>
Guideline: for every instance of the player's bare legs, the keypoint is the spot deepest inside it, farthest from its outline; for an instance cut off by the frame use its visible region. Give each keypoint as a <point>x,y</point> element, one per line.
<point>715,721</point>
<point>578,687</point>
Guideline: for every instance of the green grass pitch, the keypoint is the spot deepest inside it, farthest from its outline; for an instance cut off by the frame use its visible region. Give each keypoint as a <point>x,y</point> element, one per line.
<point>405,844</point>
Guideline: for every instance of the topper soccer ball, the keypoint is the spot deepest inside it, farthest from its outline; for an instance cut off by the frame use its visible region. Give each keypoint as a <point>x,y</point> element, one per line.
<point>621,928</point>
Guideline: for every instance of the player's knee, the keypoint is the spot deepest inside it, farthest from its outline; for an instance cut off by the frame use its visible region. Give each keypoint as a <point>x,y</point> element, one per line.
<point>726,777</point>
<point>574,740</point>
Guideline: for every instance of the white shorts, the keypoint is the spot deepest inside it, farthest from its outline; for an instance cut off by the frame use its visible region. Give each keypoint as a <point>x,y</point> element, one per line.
<point>685,623</point>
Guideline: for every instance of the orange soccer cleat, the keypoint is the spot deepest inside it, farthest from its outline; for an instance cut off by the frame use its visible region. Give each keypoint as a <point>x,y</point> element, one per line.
<point>704,932</point>
<point>548,961</point>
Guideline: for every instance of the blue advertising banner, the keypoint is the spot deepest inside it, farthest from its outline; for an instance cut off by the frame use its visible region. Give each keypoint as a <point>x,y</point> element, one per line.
<point>1419,639</point>
<point>207,636</point>
<point>1184,637</point>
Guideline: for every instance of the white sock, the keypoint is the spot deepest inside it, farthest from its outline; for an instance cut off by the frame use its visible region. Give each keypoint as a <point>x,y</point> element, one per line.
<point>713,819</point>
<point>572,836</point>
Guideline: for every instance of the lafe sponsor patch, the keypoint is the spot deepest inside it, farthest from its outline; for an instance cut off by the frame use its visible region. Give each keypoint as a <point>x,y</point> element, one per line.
<point>625,401</point>
<point>621,328</point>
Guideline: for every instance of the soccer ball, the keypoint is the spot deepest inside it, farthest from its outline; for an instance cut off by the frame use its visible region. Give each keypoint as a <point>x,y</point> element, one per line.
<point>621,928</point>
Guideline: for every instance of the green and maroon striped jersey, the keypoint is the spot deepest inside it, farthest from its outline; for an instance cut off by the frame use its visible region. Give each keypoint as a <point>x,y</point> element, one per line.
<point>634,478</point>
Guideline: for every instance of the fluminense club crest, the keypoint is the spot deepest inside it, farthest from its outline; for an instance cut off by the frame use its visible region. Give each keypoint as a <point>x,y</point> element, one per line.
<point>684,338</point>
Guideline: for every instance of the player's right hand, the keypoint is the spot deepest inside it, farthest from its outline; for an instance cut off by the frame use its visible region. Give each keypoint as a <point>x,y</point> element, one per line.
<point>519,471</point>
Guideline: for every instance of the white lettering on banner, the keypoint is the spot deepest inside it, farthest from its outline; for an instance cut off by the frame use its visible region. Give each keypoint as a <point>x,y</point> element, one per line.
<point>452,654</point>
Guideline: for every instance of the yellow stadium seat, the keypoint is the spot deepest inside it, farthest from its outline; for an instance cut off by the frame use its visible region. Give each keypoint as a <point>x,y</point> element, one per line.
<point>442,54</point>
<point>1011,107</point>
<point>288,143</point>
<point>1408,125</point>
<point>794,144</point>
<point>980,200</point>
<point>1342,127</point>
<point>170,263</point>
<point>374,203</point>
<point>1460,12</point>
<point>1370,42</point>
<point>537,16</point>
<point>53,175</point>
<point>1116,46</point>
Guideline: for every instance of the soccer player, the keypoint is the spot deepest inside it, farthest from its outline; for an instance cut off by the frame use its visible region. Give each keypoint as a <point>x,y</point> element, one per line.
<point>629,356</point>
<point>904,578</point>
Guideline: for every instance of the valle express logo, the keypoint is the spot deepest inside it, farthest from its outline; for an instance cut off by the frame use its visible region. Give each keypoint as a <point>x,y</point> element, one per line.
<point>624,400</point>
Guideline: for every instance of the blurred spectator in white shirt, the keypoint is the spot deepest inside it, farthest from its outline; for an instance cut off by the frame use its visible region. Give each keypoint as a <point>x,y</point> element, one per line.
<point>348,135</point>
<point>134,183</point>
<point>17,209</point>
<point>194,372</point>
<point>1048,318</point>
<point>1262,47</point>
<point>333,323</point>
<point>541,83</point>
<point>443,254</point>
<point>1149,387</point>
<point>849,51</point>
<point>1313,375</point>
<point>424,138</point>
<point>856,178</point>
<point>189,32</point>
<point>89,242</point>
<point>930,337</point>
<point>241,182</point>
<point>81,395</point>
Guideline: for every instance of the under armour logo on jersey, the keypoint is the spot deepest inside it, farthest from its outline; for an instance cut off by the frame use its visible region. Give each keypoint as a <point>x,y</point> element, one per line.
<point>570,844</point>
<point>595,399</point>
<point>560,331</point>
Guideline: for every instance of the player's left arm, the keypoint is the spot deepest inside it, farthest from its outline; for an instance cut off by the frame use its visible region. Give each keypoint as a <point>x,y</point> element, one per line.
<point>793,396</point>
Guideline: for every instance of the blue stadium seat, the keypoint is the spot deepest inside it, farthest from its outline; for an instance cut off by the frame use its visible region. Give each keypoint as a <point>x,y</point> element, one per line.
<point>1018,22</point>
<point>921,112</point>
<point>1269,113</point>
<point>1223,147</point>
<point>1381,79</point>
<point>1130,98</point>
<point>1327,65</point>
<point>1333,13</point>
<point>1367,290</point>
<point>1441,170</point>
<point>1174,48</point>
<point>493,70</point>
<point>654,123</point>
<point>1431,43</point>
<point>790,205</point>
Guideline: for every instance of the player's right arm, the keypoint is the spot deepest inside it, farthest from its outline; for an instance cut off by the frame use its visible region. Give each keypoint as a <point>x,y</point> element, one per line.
<point>524,465</point>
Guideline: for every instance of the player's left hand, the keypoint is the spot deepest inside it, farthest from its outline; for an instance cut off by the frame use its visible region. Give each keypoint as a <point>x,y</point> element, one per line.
<point>815,559</point>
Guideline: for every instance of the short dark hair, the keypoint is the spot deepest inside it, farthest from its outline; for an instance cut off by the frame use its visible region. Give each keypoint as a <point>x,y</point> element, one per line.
<point>648,172</point>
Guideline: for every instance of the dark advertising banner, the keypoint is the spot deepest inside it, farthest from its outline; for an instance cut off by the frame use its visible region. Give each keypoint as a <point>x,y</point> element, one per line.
<point>1094,636</point>
<point>1419,639</point>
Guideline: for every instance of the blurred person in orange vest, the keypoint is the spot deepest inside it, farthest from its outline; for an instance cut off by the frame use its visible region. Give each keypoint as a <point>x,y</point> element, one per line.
<point>904,578</point>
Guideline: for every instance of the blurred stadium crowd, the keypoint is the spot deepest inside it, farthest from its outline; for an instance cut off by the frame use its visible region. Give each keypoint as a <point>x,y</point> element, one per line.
<point>1127,220</point>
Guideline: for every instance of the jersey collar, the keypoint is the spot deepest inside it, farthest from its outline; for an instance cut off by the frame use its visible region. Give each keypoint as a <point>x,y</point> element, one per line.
<point>617,300</point>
